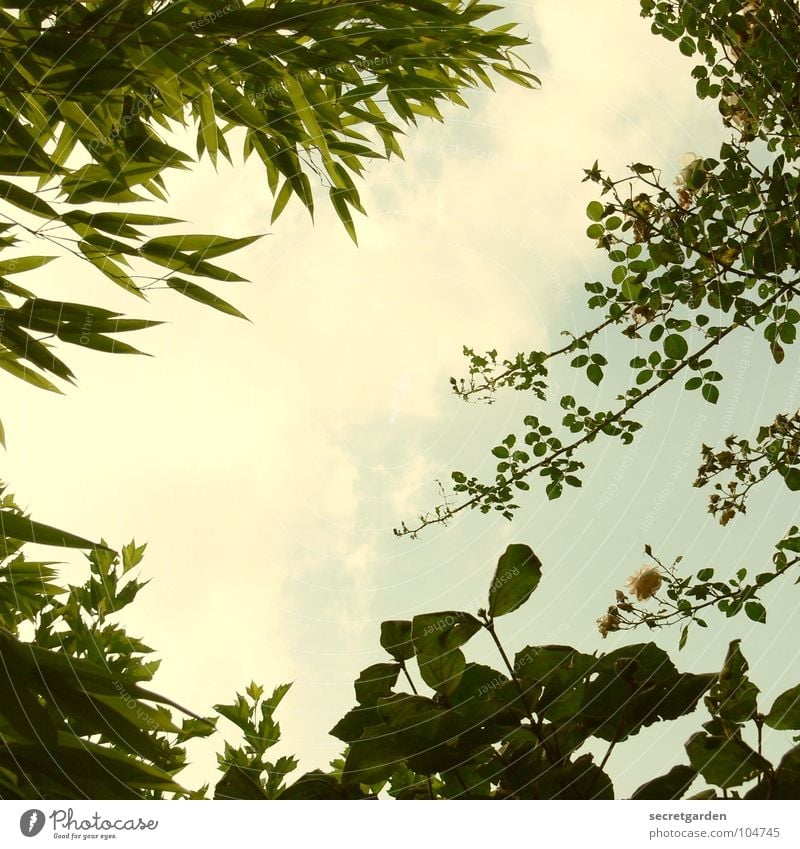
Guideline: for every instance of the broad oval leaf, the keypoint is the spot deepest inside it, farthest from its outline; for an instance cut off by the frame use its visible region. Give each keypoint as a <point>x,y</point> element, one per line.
<point>375,682</point>
<point>396,639</point>
<point>785,712</point>
<point>724,761</point>
<point>672,785</point>
<point>517,575</point>
<point>675,346</point>
<point>447,629</point>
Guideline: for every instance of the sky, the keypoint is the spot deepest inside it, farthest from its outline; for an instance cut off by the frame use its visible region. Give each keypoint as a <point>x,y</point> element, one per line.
<point>266,463</point>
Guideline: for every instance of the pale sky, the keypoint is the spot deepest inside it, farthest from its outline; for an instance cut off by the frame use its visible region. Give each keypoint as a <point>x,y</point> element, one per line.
<point>265,464</point>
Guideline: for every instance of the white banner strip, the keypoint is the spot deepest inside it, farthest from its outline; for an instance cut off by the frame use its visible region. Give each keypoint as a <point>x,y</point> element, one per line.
<point>390,824</point>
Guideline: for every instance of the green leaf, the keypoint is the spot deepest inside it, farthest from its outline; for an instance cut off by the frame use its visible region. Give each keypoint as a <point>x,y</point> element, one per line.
<point>396,639</point>
<point>784,715</point>
<point>207,123</point>
<point>319,785</point>
<point>243,110</point>
<point>282,198</point>
<point>675,346</point>
<point>21,707</point>
<point>710,393</point>
<point>792,478</point>
<point>206,247</point>
<point>595,211</point>
<point>673,785</point>
<point>786,784</point>
<point>733,696</point>
<point>634,687</point>
<point>192,728</point>
<point>124,720</point>
<point>20,527</point>
<point>189,263</point>
<point>442,671</point>
<point>203,296</point>
<point>485,696</point>
<point>337,197</point>
<point>98,342</point>
<point>355,722</point>
<point>27,374</point>
<point>28,347</point>
<point>375,682</point>
<point>630,290</point>
<point>237,783</point>
<point>23,263</point>
<point>756,611</point>
<point>26,200</point>
<point>92,767</point>
<point>595,373</point>
<point>724,761</point>
<point>437,637</point>
<point>517,575</point>
<point>445,630</point>
<point>373,758</point>
<point>581,779</point>
<point>555,678</point>
<point>110,269</point>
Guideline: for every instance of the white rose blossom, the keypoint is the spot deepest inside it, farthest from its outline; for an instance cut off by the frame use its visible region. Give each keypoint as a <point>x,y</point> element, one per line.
<point>645,583</point>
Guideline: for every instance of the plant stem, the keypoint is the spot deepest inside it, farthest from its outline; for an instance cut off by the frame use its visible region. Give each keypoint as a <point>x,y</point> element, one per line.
<point>414,691</point>
<point>536,725</point>
<point>408,677</point>
<point>489,625</point>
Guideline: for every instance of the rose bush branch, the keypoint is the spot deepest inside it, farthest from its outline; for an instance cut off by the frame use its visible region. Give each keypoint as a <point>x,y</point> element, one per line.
<point>713,256</point>
<point>676,598</point>
<point>776,450</point>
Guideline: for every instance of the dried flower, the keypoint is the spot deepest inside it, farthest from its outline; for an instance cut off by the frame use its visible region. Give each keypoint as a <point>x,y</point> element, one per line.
<point>606,623</point>
<point>645,583</point>
<point>685,199</point>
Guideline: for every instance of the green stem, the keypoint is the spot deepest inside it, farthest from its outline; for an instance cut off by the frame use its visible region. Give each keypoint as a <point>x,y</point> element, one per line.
<point>536,724</point>
<point>408,677</point>
<point>414,691</point>
<point>489,625</point>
